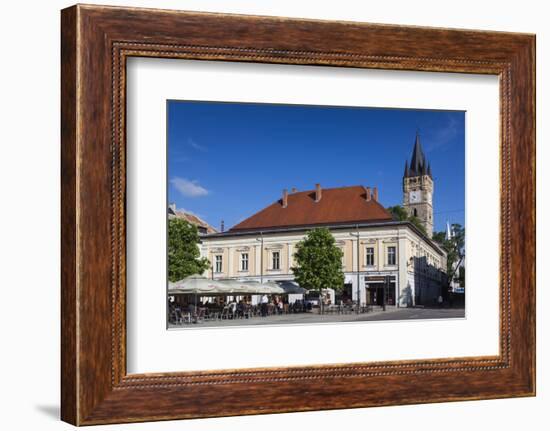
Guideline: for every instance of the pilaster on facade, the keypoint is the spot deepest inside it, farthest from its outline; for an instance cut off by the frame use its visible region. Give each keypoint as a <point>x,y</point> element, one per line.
<point>230,269</point>
<point>403,261</point>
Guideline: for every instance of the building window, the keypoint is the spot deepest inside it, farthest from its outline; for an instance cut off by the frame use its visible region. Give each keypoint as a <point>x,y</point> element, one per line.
<point>219,266</point>
<point>370,256</point>
<point>391,256</point>
<point>415,212</point>
<point>276,260</point>
<point>244,261</point>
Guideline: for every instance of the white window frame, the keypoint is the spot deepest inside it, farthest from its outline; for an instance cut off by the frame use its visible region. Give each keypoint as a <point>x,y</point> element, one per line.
<point>278,266</point>
<point>218,263</point>
<point>244,260</point>
<point>388,254</point>
<point>367,255</point>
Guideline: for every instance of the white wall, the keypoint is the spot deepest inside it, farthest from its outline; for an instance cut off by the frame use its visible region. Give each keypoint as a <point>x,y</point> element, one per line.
<point>29,220</point>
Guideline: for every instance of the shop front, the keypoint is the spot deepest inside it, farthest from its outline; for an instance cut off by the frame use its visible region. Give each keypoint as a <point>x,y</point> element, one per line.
<point>381,289</point>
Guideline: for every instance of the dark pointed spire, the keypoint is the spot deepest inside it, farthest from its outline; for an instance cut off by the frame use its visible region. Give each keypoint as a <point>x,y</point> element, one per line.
<point>430,170</point>
<point>418,161</point>
<point>406,174</point>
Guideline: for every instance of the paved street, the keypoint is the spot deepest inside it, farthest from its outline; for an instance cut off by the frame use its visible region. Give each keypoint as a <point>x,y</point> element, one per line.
<point>309,318</point>
<point>419,313</point>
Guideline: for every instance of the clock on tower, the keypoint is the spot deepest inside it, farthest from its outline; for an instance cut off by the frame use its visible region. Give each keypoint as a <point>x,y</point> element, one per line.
<point>418,187</point>
<point>414,196</point>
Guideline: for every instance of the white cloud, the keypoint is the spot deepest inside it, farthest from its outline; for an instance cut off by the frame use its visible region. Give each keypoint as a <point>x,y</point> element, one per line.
<point>439,138</point>
<point>195,145</point>
<point>190,189</point>
<point>180,159</point>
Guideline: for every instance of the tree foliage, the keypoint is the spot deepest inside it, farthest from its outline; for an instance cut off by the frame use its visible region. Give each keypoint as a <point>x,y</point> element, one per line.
<point>462,276</point>
<point>183,251</point>
<point>455,251</point>
<point>319,262</point>
<point>439,237</point>
<point>400,213</point>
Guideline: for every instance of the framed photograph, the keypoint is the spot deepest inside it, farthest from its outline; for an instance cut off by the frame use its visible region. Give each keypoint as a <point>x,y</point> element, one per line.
<point>326,215</point>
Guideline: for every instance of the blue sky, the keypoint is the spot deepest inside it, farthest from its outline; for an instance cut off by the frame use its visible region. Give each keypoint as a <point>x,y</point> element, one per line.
<point>228,160</point>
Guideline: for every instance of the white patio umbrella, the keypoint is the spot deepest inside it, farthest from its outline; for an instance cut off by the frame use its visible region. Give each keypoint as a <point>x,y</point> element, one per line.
<point>199,285</point>
<point>196,284</point>
<point>267,288</point>
<point>239,287</point>
<point>272,288</point>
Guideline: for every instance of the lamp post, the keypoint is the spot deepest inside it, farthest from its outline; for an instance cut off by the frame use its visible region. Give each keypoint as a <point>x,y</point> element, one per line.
<point>261,240</point>
<point>356,234</point>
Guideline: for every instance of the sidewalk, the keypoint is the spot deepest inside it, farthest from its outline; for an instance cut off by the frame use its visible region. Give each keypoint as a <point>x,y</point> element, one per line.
<point>299,318</point>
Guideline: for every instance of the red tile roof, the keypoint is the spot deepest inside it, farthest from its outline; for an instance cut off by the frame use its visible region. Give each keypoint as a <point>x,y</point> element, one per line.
<point>337,206</point>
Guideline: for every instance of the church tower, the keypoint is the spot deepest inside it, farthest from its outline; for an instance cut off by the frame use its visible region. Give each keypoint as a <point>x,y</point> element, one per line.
<point>418,188</point>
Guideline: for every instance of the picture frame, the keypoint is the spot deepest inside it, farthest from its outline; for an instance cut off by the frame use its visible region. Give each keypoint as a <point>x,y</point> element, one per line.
<point>96,41</point>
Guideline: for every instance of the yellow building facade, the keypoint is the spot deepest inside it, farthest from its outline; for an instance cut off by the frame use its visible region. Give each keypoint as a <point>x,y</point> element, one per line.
<point>415,264</point>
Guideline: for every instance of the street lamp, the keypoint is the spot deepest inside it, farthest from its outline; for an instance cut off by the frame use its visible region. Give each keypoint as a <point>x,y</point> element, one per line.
<point>356,234</point>
<point>261,239</point>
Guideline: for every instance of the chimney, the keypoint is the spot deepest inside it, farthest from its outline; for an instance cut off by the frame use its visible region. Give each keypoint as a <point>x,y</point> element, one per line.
<point>367,191</point>
<point>222,226</point>
<point>375,194</point>
<point>294,190</point>
<point>172,206</point>
<point>285,198</point>
<point>317,192</point>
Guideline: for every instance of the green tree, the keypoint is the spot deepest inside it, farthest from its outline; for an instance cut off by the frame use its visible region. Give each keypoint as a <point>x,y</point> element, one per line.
<point>319,262</point>
<point>439,237</point>
<point>462,276</point>
<point>455,251</point>
<point>399,213</point>
<point>183,251</point>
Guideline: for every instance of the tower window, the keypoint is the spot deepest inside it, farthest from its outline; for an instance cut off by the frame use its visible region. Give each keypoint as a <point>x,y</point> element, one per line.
<point>415,213</point>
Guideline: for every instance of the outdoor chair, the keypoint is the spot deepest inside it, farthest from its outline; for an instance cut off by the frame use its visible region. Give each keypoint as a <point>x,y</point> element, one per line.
<point>173,317</point>
<point>185,317</point>
<point>200,315</point>
<point>247,312</point>
<point>227,313</point>
<point>212,315</point>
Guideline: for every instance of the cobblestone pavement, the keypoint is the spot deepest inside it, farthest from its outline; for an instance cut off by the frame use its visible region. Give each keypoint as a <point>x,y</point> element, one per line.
<point>392,313</point>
